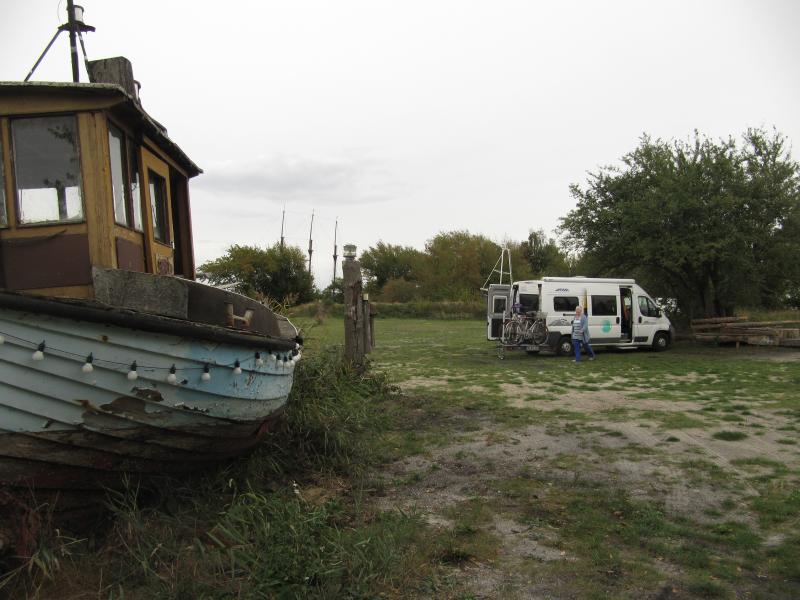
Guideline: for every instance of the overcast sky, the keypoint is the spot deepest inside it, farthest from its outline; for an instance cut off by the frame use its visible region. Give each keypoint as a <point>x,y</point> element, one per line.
<point>409,117</point>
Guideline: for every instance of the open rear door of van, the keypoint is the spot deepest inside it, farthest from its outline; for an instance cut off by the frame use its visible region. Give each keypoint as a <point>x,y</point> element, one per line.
<point>497,307</point>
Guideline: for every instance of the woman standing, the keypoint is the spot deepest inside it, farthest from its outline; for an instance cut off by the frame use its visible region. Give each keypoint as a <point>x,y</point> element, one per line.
<point>580,334</point>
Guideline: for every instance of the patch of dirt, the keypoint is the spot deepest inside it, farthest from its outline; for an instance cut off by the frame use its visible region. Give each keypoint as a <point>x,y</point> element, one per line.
<point>602,400</point>
<point>423,382</point>
<point>520,541</point>
<point>476,389</point>
<point>511,390</point>
<point>691,377</point>
<point>686,470</point>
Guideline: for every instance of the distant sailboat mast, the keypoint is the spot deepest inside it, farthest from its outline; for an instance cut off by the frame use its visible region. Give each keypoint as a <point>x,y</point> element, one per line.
<point>283,220</point>
<point>335,250</point>
<point>310,242</point>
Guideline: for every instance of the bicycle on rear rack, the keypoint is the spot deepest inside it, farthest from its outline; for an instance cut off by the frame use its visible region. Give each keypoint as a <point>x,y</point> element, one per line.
<point>523,331</point>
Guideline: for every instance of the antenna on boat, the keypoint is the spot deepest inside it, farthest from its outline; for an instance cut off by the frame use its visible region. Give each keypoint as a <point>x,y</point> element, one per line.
<point>335,249</point>
<point>75,26</point>
<point>310,242</point>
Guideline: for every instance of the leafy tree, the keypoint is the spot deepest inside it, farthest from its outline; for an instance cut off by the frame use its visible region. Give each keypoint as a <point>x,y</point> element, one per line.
<point>385,262</point>
<point>334,293</point>
<point>544,256</point>
<point>521,267</point>
<point>710,224</point>
<point>275,272</point>
<point>457,264</point>
<point>400,290</point>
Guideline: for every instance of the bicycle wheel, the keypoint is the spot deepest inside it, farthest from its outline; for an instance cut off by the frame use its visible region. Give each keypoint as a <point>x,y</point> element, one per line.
<point>539,331</point>
<point>511,333</point>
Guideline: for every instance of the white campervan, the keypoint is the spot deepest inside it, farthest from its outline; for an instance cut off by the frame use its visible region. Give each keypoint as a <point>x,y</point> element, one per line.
<point>620,312</point>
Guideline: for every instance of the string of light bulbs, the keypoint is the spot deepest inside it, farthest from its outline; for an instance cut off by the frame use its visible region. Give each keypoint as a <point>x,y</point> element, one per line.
<point>286,360</point>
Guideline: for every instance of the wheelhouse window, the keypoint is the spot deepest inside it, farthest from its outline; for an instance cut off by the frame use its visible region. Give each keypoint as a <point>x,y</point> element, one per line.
<point>47,169</point>
<point>3,216</point>
<point>604,306</point>
<point>119,164</point>
<point>135,184</point>
<point>125,179</point>
<point>158,199</point>
<point>565,303</point>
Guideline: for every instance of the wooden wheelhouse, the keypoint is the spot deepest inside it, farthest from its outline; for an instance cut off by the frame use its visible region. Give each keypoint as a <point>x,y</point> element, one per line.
<point>88,179</point>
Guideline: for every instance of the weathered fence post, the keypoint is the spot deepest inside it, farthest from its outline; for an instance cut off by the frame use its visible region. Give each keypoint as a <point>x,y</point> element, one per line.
<point>354,322</point>
<point>367,324</point>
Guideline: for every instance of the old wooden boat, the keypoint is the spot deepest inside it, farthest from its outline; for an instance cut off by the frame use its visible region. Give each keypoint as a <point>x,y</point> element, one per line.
<point>113,360</point>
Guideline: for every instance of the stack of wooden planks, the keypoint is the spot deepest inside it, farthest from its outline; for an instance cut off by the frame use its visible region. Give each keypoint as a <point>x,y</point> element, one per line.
<point>742,331</point>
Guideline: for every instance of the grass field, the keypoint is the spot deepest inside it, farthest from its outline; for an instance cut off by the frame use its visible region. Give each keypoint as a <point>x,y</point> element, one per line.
<point>640,474</point>
<point>448,473</point>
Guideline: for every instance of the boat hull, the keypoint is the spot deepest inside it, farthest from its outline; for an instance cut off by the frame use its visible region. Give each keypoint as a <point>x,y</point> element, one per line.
<point>151,402</point>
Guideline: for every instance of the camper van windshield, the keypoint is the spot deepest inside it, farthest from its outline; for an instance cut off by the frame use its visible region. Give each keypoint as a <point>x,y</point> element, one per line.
<point>529,302</point>
<point>647,307</point>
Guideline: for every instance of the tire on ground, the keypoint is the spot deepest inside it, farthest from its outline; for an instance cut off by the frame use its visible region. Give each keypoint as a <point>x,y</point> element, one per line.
<point>660,341</point>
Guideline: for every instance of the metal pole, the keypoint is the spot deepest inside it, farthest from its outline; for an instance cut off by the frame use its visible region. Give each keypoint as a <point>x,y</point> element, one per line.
<point>42,56</point>
<point>335,249</point>
<point>283,218</point>
<point>310,242</point>
<point>85,57</point>
<point>73,46</point>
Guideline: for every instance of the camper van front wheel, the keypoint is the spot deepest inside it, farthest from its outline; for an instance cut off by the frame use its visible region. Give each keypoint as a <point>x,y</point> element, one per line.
<point>660,341</point>
<point>565,346</point>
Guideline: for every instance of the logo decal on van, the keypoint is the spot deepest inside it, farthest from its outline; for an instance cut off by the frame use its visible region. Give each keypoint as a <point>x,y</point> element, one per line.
<point>606,326</point>
<point>562,289</point>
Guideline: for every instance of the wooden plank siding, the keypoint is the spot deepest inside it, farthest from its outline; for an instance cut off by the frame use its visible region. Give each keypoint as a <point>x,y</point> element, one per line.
<point>5,140</point>
<point>32,104</point>
<point>95,167</point>
<point>182,219</point>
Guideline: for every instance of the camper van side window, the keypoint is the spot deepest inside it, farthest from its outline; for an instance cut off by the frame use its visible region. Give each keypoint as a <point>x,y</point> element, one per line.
<point>3,217</point>
<point>604,306</point>
<point>647,307</point>
<point>47,169</point>
<point>565,303</point>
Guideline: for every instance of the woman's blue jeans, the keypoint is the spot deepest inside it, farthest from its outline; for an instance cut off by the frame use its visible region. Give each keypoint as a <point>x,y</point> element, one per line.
<point>576,345</point>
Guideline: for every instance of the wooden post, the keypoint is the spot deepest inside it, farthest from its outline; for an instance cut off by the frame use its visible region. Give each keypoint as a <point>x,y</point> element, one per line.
<point>353,312</point>
<point>371,326</point>
<point>367,324</point>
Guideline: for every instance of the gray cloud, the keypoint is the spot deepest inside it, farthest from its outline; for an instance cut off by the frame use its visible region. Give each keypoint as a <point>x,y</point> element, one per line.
<point>292,179</point>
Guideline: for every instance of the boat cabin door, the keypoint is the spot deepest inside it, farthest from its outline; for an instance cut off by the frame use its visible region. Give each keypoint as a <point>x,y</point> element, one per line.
<point>497,307</point>
<point>158,217</point>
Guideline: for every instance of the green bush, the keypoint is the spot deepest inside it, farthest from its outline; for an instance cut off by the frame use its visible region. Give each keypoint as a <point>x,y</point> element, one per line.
<point>331,405</point>
<point>417,309</point>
